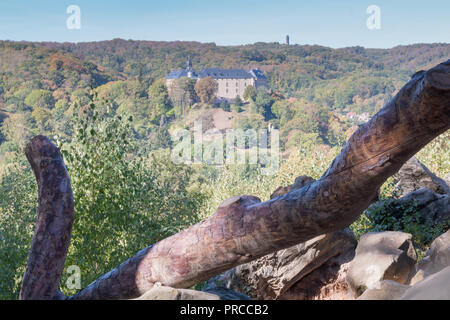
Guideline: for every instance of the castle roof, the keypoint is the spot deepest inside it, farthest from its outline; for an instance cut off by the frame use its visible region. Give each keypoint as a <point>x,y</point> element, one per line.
<point>257,74</point>
<point>225,73</point>
<point>177,74</point>
<point>216,73</point>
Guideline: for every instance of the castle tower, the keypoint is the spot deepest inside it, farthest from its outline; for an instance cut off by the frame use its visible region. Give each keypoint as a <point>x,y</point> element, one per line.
<point>189,68</point>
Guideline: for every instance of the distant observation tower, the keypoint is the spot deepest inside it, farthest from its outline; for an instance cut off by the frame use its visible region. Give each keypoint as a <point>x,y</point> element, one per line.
<point>287,40</point>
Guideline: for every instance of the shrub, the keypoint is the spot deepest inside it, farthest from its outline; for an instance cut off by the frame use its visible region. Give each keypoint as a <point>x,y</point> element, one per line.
<point>18,205</point>
<point>125,199</point>
<point>224,105</point>
<point>409,220</point>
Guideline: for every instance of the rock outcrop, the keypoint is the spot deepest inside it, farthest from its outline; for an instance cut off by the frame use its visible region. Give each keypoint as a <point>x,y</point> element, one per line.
<point>431,281</point>
<point>168,293</point>
<point>437,257</point>
<point>279,275</point>
<point>327,282</point>
<point>434,287</point>
<point>385,290</point>
<point>388,255</point>
<point>414,175</point>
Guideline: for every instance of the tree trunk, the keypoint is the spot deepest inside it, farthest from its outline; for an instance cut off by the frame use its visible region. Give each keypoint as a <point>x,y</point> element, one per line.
<point>54,222</point>
<point>244,228</point>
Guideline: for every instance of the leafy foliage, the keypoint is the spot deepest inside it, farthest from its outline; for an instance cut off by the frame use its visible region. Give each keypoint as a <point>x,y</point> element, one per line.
<point>410,221</point>
<point>18,205</point>
<point>112,113</point>
<point>206,89</point>
<point>125,199</point>
<point>159,100</point>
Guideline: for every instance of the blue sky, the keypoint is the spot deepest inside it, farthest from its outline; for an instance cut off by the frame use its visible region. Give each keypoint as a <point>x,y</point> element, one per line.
<point>333,23</point>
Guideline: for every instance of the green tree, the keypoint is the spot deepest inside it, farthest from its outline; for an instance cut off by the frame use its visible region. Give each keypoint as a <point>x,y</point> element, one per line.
<point>124,199</point>
<point>40,99</point>
<point>279,108</point>
<point>224,105</point>
<point>18,205</point>
<point>263,102</point>
<point>159,100</point>
<point>250,93</point>
<point>189,87</point>
<point>183,95</point>
<point>238,101</point>
<point>43,118</point>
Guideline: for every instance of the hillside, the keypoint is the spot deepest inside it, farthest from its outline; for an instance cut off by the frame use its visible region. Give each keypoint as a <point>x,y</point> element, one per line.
<point>39,82</point>
<point>107,109</point>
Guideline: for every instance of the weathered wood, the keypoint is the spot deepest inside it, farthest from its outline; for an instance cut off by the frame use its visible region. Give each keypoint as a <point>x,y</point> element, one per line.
<point>244,228</point>
<point>54,221</point>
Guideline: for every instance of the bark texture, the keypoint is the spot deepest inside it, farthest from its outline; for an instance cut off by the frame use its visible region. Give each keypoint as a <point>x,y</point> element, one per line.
<point>54,222</point>
<point>244,228</point>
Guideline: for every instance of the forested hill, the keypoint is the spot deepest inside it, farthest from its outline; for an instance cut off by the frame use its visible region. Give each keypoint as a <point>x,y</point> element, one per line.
<point>308,62</point>
<point>290,68</point>
<point>40,81</point>
<point>106,107</point>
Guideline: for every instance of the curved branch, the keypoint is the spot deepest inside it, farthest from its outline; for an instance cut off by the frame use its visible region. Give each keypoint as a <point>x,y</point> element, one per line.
<point>54,222</point>
<point>244,228</point>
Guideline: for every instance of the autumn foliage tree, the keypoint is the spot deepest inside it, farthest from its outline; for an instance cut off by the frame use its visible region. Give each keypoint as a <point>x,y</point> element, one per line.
<point>206,89</point>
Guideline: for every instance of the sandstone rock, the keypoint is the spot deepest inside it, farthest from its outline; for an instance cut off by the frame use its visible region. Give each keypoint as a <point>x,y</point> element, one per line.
<point>385,290</point>
<point>269,277</point>
<point>388,255</point>
<point>419,276</point>
<point>168,293</point>
<point>414,175</point>
<point>437,257</point>
<point>328,282</point>
<point>434,287</point>
<point>435,208</point>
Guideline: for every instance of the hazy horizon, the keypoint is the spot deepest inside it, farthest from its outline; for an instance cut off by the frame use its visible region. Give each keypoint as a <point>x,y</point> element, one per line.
<point>221,45</point>
<point>230,23</point>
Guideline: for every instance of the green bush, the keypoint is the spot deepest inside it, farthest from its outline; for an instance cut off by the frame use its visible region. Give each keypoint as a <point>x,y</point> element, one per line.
<point>125,199</point>
<point>409,220</point>
<point>18,205</point>
<point>224,105</point>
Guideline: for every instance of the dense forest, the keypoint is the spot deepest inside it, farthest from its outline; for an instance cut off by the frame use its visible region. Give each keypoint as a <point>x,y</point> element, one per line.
<point>40,82</point>
<point>106,106</point>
